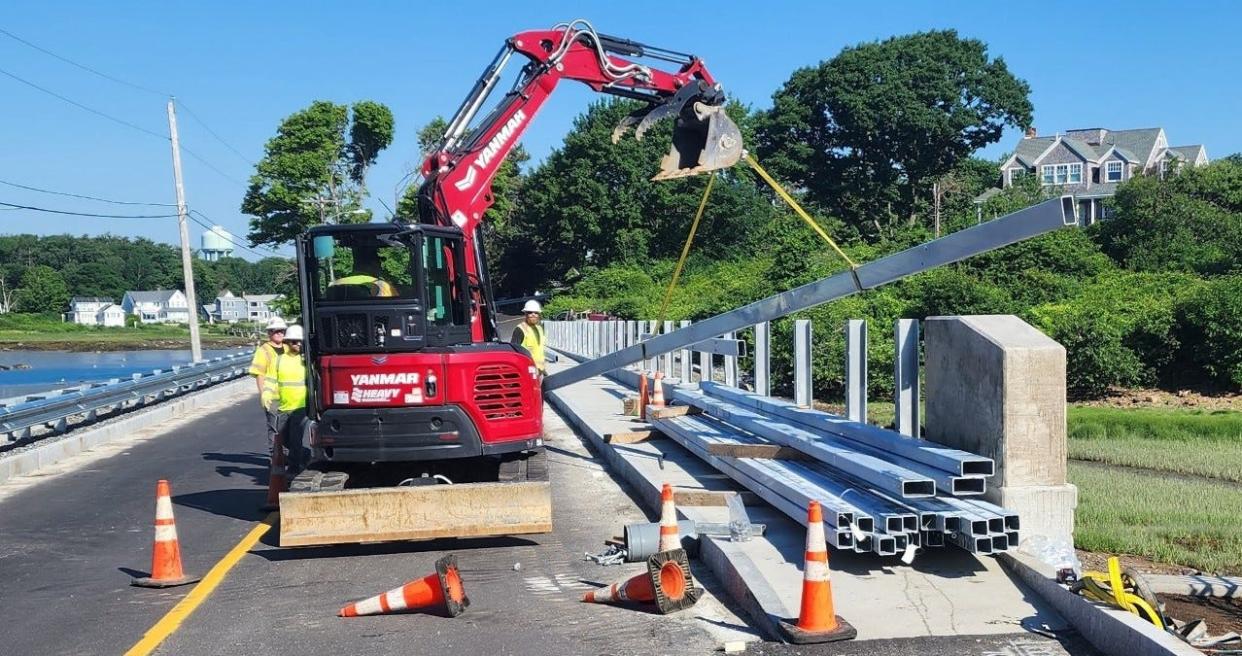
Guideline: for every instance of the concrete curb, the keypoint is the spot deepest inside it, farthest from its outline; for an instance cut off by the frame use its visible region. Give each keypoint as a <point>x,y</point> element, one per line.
<point>1113,632</point>
<point>56,449</point>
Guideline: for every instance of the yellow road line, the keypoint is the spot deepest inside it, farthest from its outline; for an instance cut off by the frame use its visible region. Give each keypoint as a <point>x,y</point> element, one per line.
<point>173,618</point>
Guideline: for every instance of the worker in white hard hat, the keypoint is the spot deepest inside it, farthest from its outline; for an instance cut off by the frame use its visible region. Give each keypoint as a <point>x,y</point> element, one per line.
<point>264,358</point>
<point>530,335</point>
<point>285,393</point>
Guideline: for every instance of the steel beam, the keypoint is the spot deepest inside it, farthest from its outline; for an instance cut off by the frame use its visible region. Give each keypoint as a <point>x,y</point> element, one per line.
<point>1036,220</point>
<point>763,358</point>
<point>906,376</point>
<point>726,346</point>
<point>685,363</point>
<point>668,357</point>
<point>802,362</point>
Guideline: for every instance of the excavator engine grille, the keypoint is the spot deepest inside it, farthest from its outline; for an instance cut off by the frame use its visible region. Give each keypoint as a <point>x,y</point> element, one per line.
<point>498,391</point>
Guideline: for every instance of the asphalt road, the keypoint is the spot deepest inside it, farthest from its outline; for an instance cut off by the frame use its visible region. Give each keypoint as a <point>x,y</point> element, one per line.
<point>69,544</point>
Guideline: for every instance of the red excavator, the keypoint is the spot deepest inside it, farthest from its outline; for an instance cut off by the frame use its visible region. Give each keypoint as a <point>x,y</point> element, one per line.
<point>418,406</point>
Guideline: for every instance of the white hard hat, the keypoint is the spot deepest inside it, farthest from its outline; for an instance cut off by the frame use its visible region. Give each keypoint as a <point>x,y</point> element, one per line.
<point>276,324</point>
<point>294,334</point>
<point>532,306</point>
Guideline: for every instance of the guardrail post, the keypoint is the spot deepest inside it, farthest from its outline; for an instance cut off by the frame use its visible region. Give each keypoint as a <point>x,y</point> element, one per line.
<point>686,364</point>
<point>856,370</point>
<point>668,357</point>
<point>802,362</point>
<point>763,355</point>
<point>650,327</point>
<point>730,365</point>
<point>631,337</point>
<point>906,376</point>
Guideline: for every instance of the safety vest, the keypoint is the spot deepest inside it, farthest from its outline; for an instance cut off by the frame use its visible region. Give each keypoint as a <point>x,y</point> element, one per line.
<point>533,338</point>
<point>263,358</point>
<point>285,382</point>
<point>379,288</point>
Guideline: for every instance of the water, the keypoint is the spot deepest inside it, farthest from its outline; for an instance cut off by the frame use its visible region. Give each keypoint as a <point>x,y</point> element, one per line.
<point>55,369</point>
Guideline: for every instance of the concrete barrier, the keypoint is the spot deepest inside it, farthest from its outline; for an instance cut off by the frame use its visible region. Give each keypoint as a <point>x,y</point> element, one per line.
<point>996,387</point>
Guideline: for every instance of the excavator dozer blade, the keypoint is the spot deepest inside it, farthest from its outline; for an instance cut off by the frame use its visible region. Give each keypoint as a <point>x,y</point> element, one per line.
<point>705,139</point>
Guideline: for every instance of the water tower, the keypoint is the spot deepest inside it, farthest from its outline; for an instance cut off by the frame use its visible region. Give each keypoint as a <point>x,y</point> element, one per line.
<point>217,243</point>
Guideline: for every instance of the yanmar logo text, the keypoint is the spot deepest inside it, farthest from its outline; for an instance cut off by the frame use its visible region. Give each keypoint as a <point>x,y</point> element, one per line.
<point>403,378</point>
<point>490,151</point>
<point>373,395</point>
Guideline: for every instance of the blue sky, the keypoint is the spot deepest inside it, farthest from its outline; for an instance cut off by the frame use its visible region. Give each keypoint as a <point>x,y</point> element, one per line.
<point>241,67</point>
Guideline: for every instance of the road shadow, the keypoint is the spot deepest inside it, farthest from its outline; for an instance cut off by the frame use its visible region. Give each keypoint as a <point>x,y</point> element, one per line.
<point>277,554</point>
<point>247,458</point>
<point>255,466</point>
<point>230,502</point>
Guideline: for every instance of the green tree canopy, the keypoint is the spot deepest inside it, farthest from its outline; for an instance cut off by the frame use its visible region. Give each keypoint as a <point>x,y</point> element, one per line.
<point>315,169</point>
<point>42,290</point>
<point>868,131</point>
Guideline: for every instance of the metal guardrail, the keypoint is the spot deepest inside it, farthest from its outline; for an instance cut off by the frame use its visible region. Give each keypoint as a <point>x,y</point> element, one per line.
<point>52,410</point>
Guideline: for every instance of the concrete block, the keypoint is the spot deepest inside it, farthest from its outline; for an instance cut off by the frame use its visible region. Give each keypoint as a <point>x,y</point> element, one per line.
<point>995,386</point>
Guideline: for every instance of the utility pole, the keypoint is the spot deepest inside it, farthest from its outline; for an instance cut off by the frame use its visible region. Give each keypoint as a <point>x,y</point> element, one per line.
<point>187,262</point>
<point>936,195</point>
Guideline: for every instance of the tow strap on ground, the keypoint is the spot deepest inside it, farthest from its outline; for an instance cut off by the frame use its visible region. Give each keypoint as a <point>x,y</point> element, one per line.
<point>1125,590</point>
<point>780,191</point>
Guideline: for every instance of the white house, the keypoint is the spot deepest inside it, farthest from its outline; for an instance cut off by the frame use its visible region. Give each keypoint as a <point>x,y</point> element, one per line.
<point>247,307</point>
<point>164,306</point>
<point>258,306</point>
<point>94,311</point>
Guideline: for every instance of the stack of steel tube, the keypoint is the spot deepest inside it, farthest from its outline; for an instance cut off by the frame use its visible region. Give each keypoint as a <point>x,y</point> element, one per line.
<point>881,491</point>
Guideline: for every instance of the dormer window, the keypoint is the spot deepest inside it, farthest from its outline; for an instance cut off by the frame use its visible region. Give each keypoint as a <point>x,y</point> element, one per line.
<point>1060,174</point>
<point>1112,171</point>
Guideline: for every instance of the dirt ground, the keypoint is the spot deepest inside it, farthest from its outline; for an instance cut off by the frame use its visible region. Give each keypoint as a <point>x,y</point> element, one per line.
<point>1099,562</point>
<point>1221,615</point>
<point>1154,398</point>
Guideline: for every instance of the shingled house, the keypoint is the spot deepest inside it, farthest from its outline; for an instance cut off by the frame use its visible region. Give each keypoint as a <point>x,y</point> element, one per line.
<point>1089,163</point>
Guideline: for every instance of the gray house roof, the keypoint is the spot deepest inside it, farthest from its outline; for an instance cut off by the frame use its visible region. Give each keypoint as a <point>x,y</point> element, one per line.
<point>1029,150</point>
<point>1082,148</point>
<point>1191,153</point>
<point>162,296</point>
<point>90,299</point>
<point>1140,142</point>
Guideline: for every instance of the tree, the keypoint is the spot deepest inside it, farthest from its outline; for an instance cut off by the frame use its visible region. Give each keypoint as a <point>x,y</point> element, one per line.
<point>1191,221</point>
<point>42,290</point>
<point>315,168</point>
<point>867,132</point>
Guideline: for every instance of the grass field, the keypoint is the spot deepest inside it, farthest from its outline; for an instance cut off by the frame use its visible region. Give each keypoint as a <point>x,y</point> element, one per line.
<point>1197,443</point>
<point>1159,483</point>
<point>1193,522</point>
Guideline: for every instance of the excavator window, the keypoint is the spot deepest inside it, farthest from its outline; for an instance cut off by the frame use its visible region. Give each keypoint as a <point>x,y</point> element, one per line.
<point>445,307</point>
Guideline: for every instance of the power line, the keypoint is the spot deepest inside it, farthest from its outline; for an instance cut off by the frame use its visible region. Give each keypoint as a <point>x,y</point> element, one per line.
<point>200,121</point>
<point>213,167</point>
<point>102,200</point>
<point>82,66</point>
<point>79,105</point>
<point>99,216</point>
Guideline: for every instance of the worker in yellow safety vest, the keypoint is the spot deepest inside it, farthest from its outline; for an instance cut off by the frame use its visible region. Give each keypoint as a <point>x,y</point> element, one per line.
<point>530,335</point>
<point>264,356</point>
<point>366,274</point>
<point>285,393</point>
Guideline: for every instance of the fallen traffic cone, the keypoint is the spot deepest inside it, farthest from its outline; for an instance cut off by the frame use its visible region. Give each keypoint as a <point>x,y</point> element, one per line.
<point>166,569</point>
<point>441,590</point>
<point>657,391</point>
<point>670,539</point>
<point>817,621</point>
<point>666,583</point>
<point>278,478</point>
<point>642,394</point>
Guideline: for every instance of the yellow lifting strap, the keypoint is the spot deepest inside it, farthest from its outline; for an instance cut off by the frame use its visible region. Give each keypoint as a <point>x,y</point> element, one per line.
<point>780,191</point>
<point>685,250</point>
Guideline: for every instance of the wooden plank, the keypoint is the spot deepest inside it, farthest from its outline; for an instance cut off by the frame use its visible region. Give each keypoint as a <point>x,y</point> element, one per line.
<point>633,437</point>
<point>672,411</point>
<point>712,498</point>
<point>420,512</point>
<point>767,451</point>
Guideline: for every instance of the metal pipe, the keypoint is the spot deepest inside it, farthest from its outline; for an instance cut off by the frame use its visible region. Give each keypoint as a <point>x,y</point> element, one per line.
<point>1032,221</point>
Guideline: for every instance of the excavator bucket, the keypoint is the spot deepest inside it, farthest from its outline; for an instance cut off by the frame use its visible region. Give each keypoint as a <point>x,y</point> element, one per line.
<point>704,137</point>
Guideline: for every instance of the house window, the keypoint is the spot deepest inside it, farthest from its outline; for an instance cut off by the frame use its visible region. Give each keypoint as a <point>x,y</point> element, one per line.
<point>1113,171</point>
<point>1164,165</point>
<point>1015,175</point>
<point>1059,174</point>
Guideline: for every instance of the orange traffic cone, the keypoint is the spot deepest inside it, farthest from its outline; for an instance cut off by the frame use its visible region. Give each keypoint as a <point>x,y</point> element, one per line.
<point>669,537</point>
<point>642,394</point>
<point>278,478</point>
<point>441,589</point>
<point>666,583</point>
<point>166,569</point>
<point>657,391</point>
<point>817,621</point>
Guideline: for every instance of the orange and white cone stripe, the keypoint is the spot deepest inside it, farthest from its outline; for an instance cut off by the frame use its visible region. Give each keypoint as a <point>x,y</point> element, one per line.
<point>817,612</point>
<point>165,524</point>
<point>657,391</point>
<point>669,537</point>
